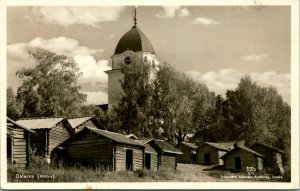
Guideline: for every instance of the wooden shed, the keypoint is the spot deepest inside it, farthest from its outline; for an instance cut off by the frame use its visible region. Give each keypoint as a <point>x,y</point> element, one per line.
<point>17,138</point>
<point>167,154</point>
<point>151,155</point>
<point>95,147</point>
<point>79,123</point>
<point>51,133</point>
<point>210,153</point>
<point>189,151</point>
<point>241,157</point>
<point>273,156</point>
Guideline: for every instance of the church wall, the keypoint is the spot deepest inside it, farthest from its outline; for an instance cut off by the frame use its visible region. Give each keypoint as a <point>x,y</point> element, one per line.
<point>114,86</point>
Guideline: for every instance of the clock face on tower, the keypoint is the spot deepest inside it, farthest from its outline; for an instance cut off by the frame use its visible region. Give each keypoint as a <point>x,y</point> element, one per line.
<point>127,60</point>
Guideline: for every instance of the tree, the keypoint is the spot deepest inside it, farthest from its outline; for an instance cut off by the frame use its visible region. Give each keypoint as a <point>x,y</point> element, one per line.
<point>132,112</point>
<point>50,88</point>
<point>13,110</point>
<point>179,101</point>
<point>257,113</point>
<point>156,102</point>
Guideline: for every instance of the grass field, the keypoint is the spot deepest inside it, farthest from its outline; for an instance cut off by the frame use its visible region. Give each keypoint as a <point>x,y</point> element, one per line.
<point>184,173</point>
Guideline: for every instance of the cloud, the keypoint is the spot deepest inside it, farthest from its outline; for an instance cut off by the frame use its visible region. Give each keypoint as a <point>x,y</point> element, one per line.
<point>66,16</point>
<point>59,45</point>
<point>204,21</point>
<point>92,69</point>
<point>184,13</point>
<point>170,12</point>
<point>228,79</point>
<point>255,57</point>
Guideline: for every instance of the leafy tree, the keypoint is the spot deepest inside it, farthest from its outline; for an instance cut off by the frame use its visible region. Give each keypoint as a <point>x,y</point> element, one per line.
<point>50,88</point>
<point>132,112</point>
<point>163,107</point>
<point>182,101</point>
<point>257,113</point>
<point>13,110</point>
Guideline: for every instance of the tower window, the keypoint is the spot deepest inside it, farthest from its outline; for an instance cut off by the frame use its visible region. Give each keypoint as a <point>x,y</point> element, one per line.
<point>127,60</point>
<point>145,59</point>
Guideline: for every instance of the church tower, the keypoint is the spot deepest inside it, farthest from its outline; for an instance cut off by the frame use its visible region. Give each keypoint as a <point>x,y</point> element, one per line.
<point>133,45</point>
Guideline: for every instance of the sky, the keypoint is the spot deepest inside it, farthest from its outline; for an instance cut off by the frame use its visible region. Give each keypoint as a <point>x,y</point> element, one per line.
<point>215,45</point>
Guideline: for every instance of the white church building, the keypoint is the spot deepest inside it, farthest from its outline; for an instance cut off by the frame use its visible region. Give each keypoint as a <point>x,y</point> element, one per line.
<point>133,45</point>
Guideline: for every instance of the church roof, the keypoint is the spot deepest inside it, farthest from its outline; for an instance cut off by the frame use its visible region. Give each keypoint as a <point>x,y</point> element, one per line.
<point>134,40</point>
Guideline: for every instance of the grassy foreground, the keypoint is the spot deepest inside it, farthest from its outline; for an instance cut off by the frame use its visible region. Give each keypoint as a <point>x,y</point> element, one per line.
<point>184,173</point>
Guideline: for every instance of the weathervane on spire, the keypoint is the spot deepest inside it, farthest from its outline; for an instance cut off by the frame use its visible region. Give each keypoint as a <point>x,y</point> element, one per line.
<point>134,18</point>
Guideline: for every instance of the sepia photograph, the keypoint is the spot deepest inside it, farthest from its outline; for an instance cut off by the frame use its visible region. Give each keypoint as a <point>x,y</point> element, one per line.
<point>104,94</point>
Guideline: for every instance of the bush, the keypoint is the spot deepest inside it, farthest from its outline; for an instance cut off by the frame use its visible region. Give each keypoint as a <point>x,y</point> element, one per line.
<point>36,161</point>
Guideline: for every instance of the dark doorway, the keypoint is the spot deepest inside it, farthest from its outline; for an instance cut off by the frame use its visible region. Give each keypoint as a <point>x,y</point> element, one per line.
<point>129,159</point>
<point>237,162</point>
<point>148,161</point>
<point>207,159</point>
<point>194,159</point>
<point>9,149</point>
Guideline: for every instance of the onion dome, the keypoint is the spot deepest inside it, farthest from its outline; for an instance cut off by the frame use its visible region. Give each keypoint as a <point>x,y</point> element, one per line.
<point>134,40</point>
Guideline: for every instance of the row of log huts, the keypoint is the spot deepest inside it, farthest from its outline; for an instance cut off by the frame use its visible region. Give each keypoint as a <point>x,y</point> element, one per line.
<point>85,141</point>
<point>233,155</point>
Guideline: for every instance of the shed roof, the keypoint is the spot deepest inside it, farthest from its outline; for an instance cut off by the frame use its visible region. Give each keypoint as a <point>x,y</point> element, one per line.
<point>191,145</point>
<point>166,147</point>
<point>244,149</point>
<point>75,122</point>
<point>40,123</point>
<point>9,120</point>
<point>268,146</point>
<point>119,138</point>
<point>221,145</point>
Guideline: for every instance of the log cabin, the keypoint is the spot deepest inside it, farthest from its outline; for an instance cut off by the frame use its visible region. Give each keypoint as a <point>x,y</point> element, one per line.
<point>210,153</point>
<point>51,133</point>
<point>273,156</point>
<point>114,151</point>
<point>167,154</point>
<point>151,154</point>
<point>79,123</point>
<point>18,138</point>
<point>241,157</point>
<point>189,151</point>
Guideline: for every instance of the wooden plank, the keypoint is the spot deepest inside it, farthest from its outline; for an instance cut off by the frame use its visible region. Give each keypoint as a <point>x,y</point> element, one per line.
<point>19,143</point>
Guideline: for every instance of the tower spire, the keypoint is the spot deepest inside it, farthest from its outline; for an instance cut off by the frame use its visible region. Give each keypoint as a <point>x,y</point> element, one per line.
<point>135,20</point>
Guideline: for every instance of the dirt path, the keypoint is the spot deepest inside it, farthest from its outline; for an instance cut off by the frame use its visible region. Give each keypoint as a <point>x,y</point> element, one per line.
<point>195,173</point>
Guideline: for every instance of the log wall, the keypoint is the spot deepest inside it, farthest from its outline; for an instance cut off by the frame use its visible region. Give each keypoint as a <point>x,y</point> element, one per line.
<point>188,155</point>
<point>214,155</point>
<point>19,146</point>
<point>247,159</point>
<point>57,135</point>
<point>154,157</point>
<point>120,157</point>
<point>91,149</point>
<point>19,151</point>
<point>168,161</point>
